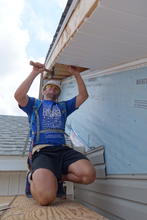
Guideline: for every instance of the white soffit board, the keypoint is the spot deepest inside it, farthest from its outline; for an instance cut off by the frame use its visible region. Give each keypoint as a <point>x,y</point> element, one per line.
<point>114,34</point>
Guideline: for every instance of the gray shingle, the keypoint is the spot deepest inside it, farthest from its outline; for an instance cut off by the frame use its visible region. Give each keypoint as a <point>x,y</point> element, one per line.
<point>13,135</point>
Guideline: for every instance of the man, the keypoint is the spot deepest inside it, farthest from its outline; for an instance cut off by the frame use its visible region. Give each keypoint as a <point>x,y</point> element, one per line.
<point>52,161</point>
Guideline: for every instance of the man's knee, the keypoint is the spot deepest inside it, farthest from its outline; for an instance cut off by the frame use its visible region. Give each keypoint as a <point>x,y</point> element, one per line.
<point>43,197</point>
<point>89,177</point>
<point>84,171</point>
<point>46,199</point>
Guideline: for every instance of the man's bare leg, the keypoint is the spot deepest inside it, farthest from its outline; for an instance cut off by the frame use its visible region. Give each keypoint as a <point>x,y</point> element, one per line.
<point>43,186</point>
<point>81,171</point>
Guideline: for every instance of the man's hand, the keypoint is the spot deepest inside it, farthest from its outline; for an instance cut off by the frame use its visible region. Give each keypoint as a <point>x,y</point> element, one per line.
<point>83,94</point>
<point>21,92</point>
<point>37,67</point>
<point>73,70</point>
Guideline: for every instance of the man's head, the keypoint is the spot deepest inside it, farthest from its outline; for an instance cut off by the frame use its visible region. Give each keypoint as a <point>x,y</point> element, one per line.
<point>51,89</point>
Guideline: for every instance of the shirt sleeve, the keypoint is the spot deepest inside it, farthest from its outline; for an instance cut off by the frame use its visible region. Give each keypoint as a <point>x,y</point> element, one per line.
<point>71,105</point>
<point>29,107</point>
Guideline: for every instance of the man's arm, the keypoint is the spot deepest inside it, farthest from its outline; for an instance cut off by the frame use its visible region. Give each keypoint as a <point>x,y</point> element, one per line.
<point>83,94</point>
<point>21,92</point>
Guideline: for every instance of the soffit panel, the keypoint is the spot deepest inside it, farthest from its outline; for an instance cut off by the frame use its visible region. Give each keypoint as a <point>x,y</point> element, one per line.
<point>114,34</point>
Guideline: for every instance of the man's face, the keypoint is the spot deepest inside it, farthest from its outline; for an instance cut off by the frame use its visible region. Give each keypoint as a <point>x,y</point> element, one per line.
<point>51,91</point>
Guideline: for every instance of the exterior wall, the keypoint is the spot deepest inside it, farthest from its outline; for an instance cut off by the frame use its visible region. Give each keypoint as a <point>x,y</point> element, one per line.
<point>114,196</point>
<point>12,182</point>
<point>13,171</point>
<point>114,116</point>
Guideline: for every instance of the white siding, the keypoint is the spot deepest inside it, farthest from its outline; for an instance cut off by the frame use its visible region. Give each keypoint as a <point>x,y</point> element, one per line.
<point>116,197</point>
<point>12,183</point>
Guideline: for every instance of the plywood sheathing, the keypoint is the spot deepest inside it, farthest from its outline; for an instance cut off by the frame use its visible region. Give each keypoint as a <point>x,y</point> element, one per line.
<point>83,10</point>
<point>24,208</point>
<point>60,72</point>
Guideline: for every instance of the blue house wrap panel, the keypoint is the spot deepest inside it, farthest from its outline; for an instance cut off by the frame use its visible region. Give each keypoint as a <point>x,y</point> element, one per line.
<point>115,115</point>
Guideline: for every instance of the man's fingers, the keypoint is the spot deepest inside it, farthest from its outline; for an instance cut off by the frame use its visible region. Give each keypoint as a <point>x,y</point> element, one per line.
<point>41,70</point>
<point>37,64</point>
<point>73,70</point>
<point>40,64</point>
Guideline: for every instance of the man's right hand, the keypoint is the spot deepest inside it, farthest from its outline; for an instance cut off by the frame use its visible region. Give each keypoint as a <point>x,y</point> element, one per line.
<point>21,92</point>
<point>37,67</point>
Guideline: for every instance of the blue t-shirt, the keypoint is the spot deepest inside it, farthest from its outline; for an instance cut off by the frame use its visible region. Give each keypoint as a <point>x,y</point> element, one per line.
<point>50,117</point>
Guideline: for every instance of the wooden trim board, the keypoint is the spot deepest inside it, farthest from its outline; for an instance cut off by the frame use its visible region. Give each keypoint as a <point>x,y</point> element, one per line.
<point>60,71</point>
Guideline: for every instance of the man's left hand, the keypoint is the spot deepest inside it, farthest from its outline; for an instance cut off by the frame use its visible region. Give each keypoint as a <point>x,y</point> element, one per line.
<point>73,70</point>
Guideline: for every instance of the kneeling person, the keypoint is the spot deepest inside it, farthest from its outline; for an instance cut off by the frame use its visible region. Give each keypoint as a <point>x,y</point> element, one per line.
<point>52,161</point>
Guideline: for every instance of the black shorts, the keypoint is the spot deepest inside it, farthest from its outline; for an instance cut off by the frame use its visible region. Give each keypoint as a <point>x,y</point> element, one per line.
<point>56,158</point>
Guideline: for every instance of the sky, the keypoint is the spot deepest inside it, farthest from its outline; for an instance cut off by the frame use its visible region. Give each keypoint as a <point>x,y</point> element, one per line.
<point>26,31</point>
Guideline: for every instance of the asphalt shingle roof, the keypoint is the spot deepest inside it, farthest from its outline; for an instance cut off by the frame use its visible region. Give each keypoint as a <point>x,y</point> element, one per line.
<point>13,135</point>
